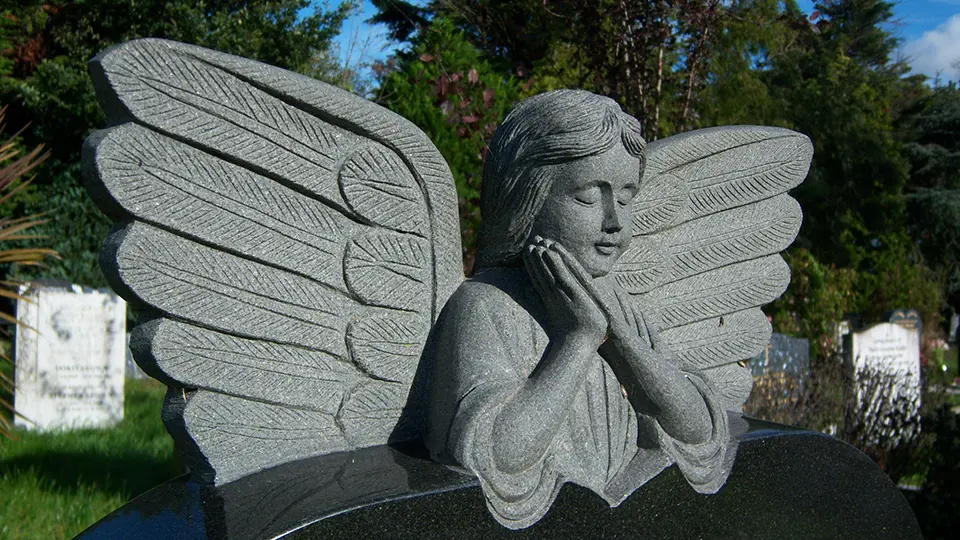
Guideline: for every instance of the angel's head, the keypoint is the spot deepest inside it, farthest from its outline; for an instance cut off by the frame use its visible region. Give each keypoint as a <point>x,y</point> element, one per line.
<point>564,165</point>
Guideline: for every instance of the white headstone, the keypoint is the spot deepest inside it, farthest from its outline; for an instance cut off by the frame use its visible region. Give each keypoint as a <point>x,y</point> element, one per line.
<point>886,359</point>
<point>70,361</point>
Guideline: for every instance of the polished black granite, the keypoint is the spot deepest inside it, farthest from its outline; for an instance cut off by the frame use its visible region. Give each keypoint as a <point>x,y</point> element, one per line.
<point>786,483</point>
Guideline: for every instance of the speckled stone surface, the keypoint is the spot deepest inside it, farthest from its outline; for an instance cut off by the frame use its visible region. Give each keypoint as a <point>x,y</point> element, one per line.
<point>292,242</point>
<point>296,250</point>
<point>785,484</point>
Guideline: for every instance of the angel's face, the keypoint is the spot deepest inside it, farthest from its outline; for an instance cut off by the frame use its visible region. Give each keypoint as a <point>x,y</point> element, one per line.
<point>588,208</point>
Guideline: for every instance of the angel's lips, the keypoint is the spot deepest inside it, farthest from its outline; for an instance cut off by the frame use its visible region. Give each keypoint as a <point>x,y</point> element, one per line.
<point>607,248</point>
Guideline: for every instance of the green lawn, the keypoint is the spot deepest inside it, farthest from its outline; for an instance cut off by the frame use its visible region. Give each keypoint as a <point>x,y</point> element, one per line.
<point>55,485</point>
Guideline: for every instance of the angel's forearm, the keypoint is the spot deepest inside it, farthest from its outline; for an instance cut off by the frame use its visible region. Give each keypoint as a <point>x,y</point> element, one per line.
<point>657,386</point>
<point>529,420</point>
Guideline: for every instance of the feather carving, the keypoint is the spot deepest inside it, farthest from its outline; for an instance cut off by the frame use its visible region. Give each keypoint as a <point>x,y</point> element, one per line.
<point>387,347</point>
<point>292,242</point>
<point>711,215</point>
<point>379,188</point>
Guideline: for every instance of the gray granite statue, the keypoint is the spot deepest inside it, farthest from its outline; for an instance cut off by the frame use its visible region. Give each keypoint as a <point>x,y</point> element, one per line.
<point>295,252</point>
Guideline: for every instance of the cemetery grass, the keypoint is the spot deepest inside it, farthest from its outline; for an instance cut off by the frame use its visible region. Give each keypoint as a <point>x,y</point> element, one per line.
<point>54,485</point>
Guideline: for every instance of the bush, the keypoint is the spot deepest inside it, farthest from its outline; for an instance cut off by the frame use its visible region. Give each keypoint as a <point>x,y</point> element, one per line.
<point>818,298</point>
<point>15,166</point>
<point>936,506</point>
<point>448,89</point>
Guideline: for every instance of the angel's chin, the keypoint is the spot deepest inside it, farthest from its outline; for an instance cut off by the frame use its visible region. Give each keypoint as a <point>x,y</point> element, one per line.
<point>600,268</point>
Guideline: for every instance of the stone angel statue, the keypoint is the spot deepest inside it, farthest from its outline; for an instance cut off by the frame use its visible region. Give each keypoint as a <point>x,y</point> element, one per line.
<point>294,251</point>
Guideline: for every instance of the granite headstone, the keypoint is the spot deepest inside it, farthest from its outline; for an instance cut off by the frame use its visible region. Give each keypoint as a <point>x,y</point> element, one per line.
<point>784,354</point>
<point>297,250</point>
<point>786,484</point>
<point>907,318</point>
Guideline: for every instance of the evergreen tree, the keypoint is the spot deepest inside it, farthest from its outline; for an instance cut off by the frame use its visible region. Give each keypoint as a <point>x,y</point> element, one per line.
<point>839,86</point>
<point>931,129</point>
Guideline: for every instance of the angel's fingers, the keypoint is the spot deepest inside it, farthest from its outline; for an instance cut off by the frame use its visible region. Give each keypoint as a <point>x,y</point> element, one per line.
<point>547,280</point>
<point>534,264</point>
<point>565,281</point>
<point>580,274</point>
<point>627,307</point>
<point>573,264</point>
<point>652,335</point>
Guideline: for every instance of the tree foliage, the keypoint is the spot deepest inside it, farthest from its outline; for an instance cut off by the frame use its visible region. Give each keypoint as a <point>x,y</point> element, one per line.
<point>445,86</point>
<point>650,55</point>
<point>44,79</point>
<point>679,65</point>
<point>931,129</point>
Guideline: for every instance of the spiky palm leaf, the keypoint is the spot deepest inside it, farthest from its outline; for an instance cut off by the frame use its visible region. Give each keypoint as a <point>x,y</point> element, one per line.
<point>15,166</point>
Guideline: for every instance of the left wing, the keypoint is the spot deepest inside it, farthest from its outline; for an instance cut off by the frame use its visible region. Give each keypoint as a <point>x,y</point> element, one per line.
<point>293,242</point>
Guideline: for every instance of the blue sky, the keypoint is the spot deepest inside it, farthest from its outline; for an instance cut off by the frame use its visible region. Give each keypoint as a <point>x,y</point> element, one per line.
<point>929,30</point>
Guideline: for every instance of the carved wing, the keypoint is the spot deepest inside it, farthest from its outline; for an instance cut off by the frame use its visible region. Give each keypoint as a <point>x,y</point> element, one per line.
<point>293,243</point>
<point>708,225</point>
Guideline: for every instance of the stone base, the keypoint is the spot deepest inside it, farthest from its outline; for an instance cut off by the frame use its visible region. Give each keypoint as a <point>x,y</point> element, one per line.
<point>785,484</point>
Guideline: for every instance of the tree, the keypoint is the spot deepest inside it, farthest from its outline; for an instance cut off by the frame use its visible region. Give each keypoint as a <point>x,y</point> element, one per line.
<point>838,86</point>
<point>755,35</point>
<point>649,55</point>
<point>402,18</point>
<point>47,85</point>
<point>930,127</point>
<point>445,86</point>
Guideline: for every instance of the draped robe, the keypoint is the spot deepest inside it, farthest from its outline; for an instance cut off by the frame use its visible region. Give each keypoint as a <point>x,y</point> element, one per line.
<point>486,343</point>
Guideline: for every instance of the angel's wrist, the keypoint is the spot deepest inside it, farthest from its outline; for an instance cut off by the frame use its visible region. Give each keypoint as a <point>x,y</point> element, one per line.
<point>630,347</point>
<point>580,339</point>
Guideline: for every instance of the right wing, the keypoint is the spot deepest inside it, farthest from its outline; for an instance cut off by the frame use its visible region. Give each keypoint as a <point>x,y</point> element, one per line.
<point>294,242</point>
<point>711,218</point>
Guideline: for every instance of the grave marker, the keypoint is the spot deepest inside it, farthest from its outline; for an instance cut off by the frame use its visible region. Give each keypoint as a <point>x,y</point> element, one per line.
<point>886,363</point>
<point>783,354</point>
<point>70,361</point>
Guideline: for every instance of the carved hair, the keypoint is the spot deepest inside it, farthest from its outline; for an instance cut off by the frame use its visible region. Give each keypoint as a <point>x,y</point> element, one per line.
<point>546,129</point>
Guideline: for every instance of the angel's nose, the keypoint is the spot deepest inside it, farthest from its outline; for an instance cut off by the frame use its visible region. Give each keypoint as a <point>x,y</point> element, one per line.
<point>611,220</point>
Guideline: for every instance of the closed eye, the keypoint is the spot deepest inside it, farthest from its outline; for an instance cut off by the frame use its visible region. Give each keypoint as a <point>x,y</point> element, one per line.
<point>588,197</point>
<point>626,195</point>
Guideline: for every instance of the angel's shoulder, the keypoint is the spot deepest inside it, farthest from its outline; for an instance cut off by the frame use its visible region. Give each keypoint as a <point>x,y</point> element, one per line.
<point>488,295</point>
<point>477,296</point>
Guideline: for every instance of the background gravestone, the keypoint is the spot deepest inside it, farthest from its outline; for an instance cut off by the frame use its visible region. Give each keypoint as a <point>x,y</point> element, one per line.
<point>780,373</point>
<point>907,318</point>
<point>70,361</point>
<point>886,364</point>
<point>131,369</point>
<point>784,354</point>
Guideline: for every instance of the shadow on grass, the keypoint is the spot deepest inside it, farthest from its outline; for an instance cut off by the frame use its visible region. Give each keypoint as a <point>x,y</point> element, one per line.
<point>124,473</point>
